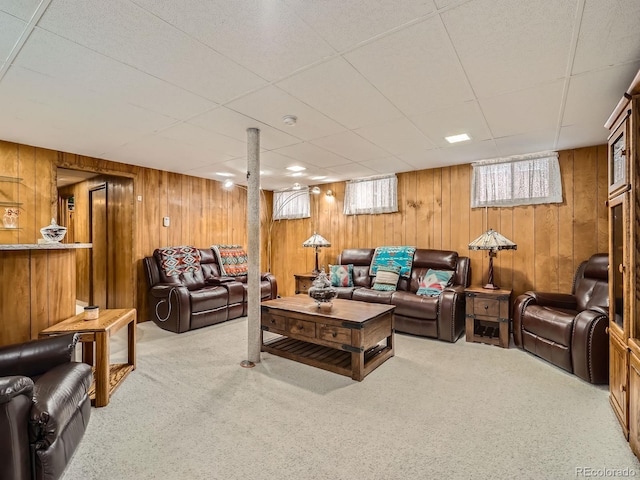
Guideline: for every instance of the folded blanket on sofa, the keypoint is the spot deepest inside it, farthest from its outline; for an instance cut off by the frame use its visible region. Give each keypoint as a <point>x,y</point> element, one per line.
<point>232,259</point>
<point>393,256</point>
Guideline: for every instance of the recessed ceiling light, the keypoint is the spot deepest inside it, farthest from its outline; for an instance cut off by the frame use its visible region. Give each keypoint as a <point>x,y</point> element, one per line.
<point>297,174</point>
<point>296,168</point>
<point>320,177</point>
<point>227,183</point>
<point>463,137</point>
<point>226,174</point>
<point>290,120</point>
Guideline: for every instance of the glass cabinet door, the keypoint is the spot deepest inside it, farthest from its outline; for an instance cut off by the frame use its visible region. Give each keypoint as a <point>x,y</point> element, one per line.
<point>618,168</point>
<point>617,262</point>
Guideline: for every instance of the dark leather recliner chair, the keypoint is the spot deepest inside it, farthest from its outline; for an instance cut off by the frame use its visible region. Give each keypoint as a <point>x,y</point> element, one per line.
<point>569,330</point>
<point>44,407</point>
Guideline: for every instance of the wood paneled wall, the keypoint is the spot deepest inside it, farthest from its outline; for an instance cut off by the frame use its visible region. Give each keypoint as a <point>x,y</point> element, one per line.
<point>202,212</point>
<point>434,212</point>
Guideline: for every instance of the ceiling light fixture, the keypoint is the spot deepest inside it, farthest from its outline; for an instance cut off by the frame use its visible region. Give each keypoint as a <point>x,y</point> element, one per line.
<point>319,177</point>
<point>290,120</point>
<point>297,186</point>
<point>329,193</point>
<point>225,174</point>
<point>463,137</point>
<point>228,183</point>
<point>315,190</point>
<point>297,174</point>
<point>296,168</point>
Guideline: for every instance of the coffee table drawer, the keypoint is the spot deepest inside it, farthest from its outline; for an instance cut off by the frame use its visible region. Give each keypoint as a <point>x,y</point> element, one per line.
<point>274,322</point>
<point>331,333</point>
<point>301,327</point>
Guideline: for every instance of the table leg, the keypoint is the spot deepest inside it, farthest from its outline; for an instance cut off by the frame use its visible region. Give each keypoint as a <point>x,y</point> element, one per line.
<point>87,353</point>
<point>132,343</point>
<point>101,373</point>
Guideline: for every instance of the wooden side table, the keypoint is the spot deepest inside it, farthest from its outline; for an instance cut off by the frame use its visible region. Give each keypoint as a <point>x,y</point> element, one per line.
<point>107,377</point>
<point>304,281</point>
<point>487,316</point>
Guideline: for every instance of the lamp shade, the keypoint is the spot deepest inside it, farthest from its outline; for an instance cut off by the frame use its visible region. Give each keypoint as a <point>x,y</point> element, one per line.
<point>492,240</point>
<point>316,240</point>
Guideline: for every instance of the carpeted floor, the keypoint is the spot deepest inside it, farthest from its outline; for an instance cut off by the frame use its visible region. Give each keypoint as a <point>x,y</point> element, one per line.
<point>434,411</point>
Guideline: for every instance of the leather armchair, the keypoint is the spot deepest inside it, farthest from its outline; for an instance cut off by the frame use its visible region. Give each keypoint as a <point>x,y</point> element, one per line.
<point>44,407</point>
<point>569,330</point>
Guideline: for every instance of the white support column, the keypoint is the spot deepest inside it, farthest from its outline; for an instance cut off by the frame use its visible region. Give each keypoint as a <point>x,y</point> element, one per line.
<point>253,234</point>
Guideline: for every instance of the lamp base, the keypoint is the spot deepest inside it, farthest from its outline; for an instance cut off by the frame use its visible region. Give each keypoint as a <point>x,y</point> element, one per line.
<point>491,286</point>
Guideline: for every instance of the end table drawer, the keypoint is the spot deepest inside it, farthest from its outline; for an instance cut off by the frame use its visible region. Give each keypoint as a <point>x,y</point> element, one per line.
<point>331,333</point>
<point>301,327</point>
<point>488,307</point>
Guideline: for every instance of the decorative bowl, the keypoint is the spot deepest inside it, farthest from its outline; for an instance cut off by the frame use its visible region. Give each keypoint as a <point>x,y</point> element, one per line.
<point>53,233</point>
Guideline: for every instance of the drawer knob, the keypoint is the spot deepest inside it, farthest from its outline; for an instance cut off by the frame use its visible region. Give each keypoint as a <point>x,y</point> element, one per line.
<point>273,321</point>
<point>334,334</point>
<point>486,307</point>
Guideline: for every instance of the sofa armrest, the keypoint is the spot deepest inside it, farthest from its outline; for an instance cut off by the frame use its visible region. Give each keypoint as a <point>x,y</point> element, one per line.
<point>269,277</point>
<point>11,387</point>
<point>451,319</point>
<point>56,397</point>
<point>35,357</point>
<point>555,300</point>
<point>590,345</point>
<point>170,307</point>
<point>218,280</point>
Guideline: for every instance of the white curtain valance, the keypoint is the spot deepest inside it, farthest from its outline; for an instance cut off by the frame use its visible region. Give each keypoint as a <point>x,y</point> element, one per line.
<point>518,180</point>
<point>289,204</point>
<point>371,195</point>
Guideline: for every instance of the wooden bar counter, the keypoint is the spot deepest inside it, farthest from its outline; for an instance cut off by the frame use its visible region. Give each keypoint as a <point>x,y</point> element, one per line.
<point>38,288</point>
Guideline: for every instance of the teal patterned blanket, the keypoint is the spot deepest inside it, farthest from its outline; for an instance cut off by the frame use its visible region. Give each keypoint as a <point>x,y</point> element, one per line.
<point>393,256</point>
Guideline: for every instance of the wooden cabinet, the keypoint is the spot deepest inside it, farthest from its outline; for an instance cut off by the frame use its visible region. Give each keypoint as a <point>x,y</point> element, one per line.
<point>487,316</point>
<point>624,258</point>
<point>304,281</point>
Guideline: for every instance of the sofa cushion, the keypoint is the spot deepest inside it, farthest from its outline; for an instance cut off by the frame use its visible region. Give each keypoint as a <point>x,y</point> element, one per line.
<point>372,296</point>
<point>401,256</point>
<point>434,282</point>
<point>233,259</point>
<point>552,324</point>
<point>208,298</point>
<point>341,275</point>
<point>177,260</point>
<point>387,278</point>
<point>415,306</point>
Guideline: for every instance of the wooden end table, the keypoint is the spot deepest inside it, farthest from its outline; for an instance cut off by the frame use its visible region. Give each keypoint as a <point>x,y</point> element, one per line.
<point>304,281</point>
<point>487,316</point>
<point>107,377</point>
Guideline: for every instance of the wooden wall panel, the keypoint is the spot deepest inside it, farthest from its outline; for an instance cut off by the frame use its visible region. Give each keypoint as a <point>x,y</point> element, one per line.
<point>552,239</point>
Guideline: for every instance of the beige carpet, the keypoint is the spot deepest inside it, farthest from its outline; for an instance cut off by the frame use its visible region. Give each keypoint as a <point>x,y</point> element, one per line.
<point>434,411</point>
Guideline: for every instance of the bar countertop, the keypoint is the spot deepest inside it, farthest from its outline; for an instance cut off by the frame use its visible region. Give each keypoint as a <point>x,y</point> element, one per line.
<point>44,246</point>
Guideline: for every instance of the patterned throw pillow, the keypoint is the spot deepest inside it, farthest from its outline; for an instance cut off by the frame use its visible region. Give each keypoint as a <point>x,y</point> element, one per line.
<point>434,282</point>
<point>387,279</point>
<point>177,260</point>
<point>233,260</point>
<point>341,275</point>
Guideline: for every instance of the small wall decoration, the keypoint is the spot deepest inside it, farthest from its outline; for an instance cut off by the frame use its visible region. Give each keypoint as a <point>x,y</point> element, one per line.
<point>10,218</point>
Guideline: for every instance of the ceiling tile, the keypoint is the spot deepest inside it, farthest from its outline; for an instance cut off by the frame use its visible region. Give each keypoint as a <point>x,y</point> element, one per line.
<point>585,95</point>
<point>11,30</point>
<point>76,65</point>
<point>505,45</point>
<point>270,104</point>
<point>23,9</point>
<point>387,165</point>
<point>198,136</point>
<point>583,134</point>
<point>351,146</point>
<point>461,118</point>
<point>351,171</point>
<point>608,35</point>
<point>343,24</point>
<point>523,111</point>
<point>397,136</point>
<point>233,124</point>
<point>336,89</point>
<point>416,68</point>
<point>530,142</point>
<point>114,29</point>
<point>313,154</point>
<point>267,38</point>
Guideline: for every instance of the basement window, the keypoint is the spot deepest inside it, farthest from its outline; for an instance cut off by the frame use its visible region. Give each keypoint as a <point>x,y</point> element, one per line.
<point>522,180</point>
<point>291,203</point>
<point>371,195</point>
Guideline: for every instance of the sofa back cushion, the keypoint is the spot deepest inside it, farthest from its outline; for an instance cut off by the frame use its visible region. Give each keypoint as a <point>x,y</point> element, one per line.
<point>209,263</point>
<point>360,258</point>
<point>591,282</point>
<point>425,259</point>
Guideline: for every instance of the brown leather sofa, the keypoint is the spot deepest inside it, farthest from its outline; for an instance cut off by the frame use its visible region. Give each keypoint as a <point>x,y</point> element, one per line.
<point>44,407</point>
<point>441,317</point>
<point>193,300</point>
<point>569,330</point>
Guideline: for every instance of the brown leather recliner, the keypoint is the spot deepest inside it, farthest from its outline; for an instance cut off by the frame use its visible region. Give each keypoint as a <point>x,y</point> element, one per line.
<point>44,407</point>
<point>569,330</point>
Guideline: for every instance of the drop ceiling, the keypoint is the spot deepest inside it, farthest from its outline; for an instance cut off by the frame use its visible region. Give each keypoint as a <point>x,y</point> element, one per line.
<point>375,85</point>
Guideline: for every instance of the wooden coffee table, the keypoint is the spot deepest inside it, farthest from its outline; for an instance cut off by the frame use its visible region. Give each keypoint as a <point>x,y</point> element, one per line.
<point>107,377</point>
<point>352,339</point>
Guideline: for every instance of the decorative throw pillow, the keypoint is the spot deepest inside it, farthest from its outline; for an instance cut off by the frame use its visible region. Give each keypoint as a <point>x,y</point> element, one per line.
<point>177,260</point>
<point>434,282</point>
<point>387,279</point>
<point>233,260</point>
<point>341,275</point>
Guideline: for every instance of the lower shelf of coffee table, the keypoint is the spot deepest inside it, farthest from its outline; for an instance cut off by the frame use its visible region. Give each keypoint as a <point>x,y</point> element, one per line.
<point>327,358</point>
